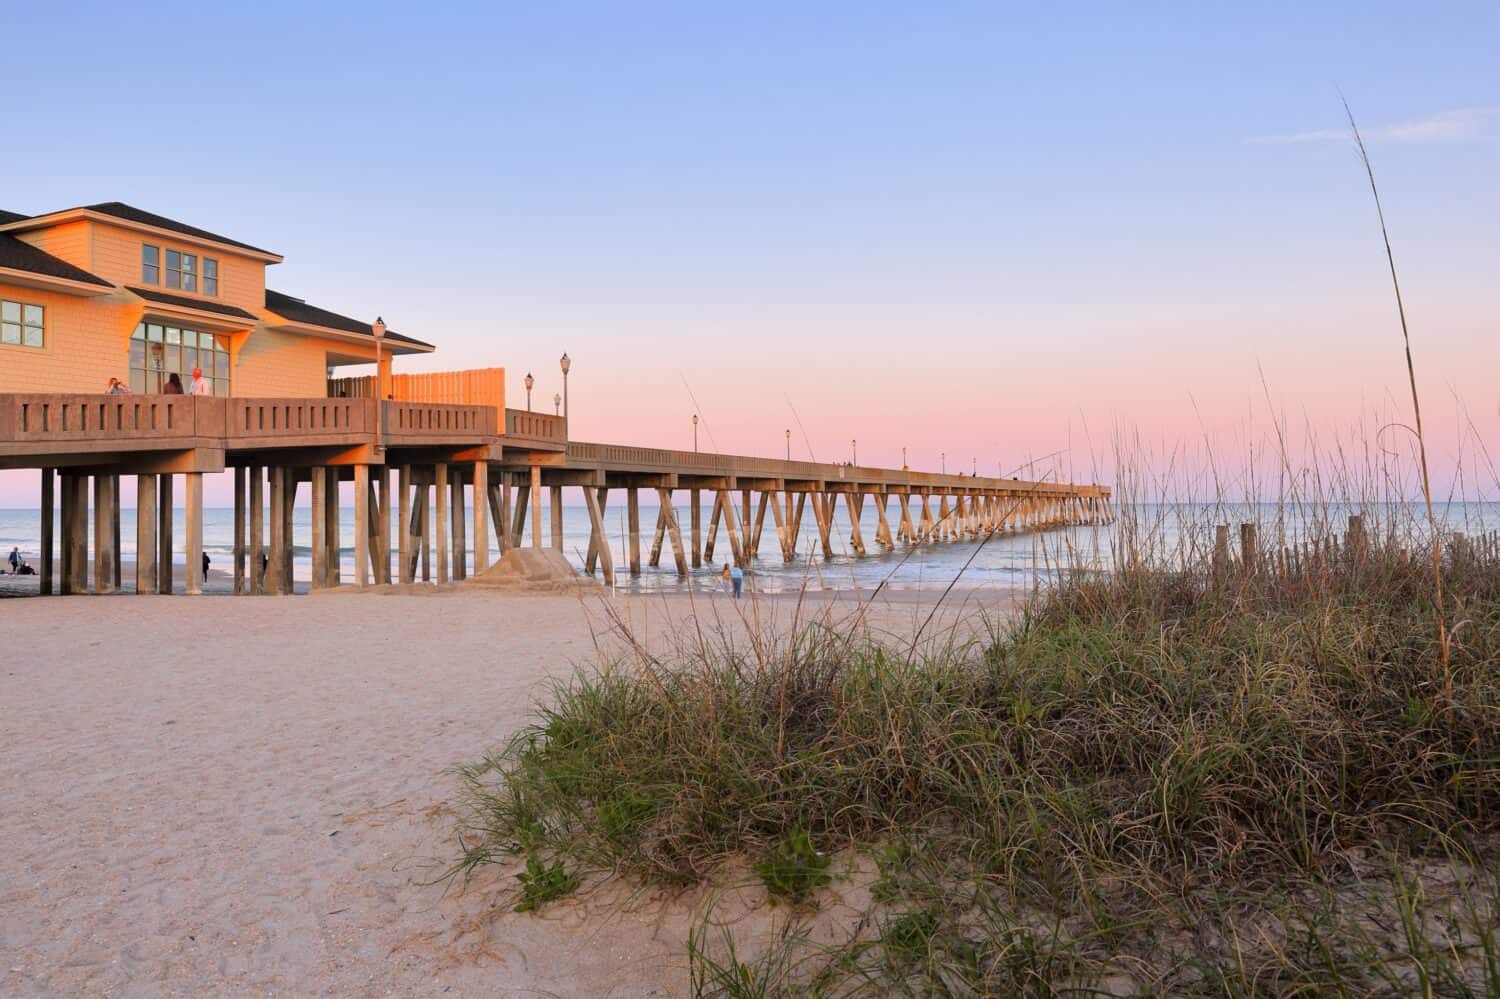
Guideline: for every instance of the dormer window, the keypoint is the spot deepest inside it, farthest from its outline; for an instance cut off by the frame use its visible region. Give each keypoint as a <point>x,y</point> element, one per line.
<point>182,271</point>
<point>150,264</point>
<point>210,276</point>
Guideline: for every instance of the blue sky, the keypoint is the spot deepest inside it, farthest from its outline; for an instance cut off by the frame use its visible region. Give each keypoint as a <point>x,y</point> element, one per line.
<point>1038,217</point>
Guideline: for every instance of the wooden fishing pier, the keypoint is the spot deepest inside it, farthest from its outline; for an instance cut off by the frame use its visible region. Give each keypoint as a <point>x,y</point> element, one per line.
<point>449,464</point>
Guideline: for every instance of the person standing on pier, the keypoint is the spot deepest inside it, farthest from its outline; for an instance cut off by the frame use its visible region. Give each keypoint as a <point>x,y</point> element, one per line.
<point>173,386</point>
<point>201,385</point>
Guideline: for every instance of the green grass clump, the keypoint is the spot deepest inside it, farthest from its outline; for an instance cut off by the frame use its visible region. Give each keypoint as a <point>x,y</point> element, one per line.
<point>793,868</point>
<point>1143,754</point>
<point>542,883</point>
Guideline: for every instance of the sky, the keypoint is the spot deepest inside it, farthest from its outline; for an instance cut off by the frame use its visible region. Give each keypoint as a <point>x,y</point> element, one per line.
<point>984,231</point>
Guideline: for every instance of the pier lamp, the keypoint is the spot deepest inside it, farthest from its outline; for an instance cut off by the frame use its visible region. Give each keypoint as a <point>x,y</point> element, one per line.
<point>566,363</point>
<point>556,403</point>
<point>789,444</point>
<point>854,449</point>
<point>903,460</point>
<point>377,328</point>
<point>976,467</point>
<point>945,462</point>
<point>530,381</point>
<point>695,433</point>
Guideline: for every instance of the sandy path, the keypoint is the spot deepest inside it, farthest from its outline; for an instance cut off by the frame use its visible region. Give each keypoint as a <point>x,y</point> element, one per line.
<point>230,796</point>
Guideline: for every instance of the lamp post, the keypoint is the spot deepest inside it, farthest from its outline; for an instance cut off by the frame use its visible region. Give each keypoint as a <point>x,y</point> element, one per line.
<point>903,459</point>
<point>789,444</point>
<point>530,381</point>
<point>854,450</point>
<point>695,433</point>
<point>556,404</point>
<point>976,467</point>
<point>378,329</point>
<point>566,363</point>
<point>945,462</point>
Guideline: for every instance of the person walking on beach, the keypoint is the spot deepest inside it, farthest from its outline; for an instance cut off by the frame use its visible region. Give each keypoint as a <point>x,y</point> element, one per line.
<point>15,561</point>
<point>737,577</point>
<point>205,566</point>
<point>201,385</point>
<point>727,580</point>
<point>173,386</point>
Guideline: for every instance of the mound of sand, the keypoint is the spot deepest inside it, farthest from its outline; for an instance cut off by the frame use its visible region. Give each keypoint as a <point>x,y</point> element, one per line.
<point>540,570</point>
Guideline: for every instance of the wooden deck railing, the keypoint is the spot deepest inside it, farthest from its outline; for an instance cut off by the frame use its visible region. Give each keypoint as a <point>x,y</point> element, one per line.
<point>542,427</point>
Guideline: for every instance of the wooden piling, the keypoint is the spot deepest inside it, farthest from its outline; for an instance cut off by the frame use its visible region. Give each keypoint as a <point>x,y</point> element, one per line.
<point>599,543</point>
<point>145,534</point>
<point>695,516</point>
<point>239,531</point>
<point>481,517</point>
<point>731,527</point>
<point>164,516</point>
<point>459,563</point>
<point>1247,548</point>
<point>44,562</point>
<point>319,527</point>
<point>404,538</point>
<point>257,529</point>
<point>104,540</point>
<point>440,502</point>
<point>362,527</point>
<point>536,508</point>
<point>555,511</point>
<point>382,508</point>
<point>674,531</point>
<point>331,529</point>
<point>193,532</point>
<point>633,531</point>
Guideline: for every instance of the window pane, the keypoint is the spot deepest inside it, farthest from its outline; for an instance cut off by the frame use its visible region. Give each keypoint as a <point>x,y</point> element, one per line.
<point>137,380</point>
<point>210,286</point>
<point>174,335</point>
<point>189,281</point>
<point>150,274</point>
<point>140,332</point>
<point>173,356</point>
<point>32,336</point>
<point>210,267</point>
<point>33,315</point>
<point>189,360</point>
<point>150,260</point>
<point>10,312</point>
<point>189,262</point>
<point>149,254</point>
<point>221,386</point>
<point>174,260</point>
<point>154,332</point>
<point>189,338</point>
<point>10,333</point>
<point>221,364</point>
<point>137,354</point>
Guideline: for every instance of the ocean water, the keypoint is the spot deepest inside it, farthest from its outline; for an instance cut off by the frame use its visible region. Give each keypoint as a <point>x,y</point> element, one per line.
<point>1008,561</point>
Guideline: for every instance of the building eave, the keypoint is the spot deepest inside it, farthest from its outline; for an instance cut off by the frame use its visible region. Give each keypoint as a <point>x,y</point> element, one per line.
<point>166,235</point>
<point>46,282</point>
<point>281,324</point>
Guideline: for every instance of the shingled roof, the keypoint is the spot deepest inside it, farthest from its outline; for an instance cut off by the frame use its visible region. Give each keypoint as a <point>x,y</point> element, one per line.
<point>298,311</point>
<point>17,255</point>
<point>123,211</point>
<point>181,301</point>
<point>12,217</point>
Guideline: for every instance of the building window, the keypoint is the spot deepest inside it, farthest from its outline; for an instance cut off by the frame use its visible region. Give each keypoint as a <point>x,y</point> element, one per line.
<point>210,276</point>
<point>157,352</point>
<point>22,325</point>
<point>182,271</point>
<point>150,264</point>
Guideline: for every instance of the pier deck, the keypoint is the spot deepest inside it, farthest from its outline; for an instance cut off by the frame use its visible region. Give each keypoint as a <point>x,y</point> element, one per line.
<point>454,464</point>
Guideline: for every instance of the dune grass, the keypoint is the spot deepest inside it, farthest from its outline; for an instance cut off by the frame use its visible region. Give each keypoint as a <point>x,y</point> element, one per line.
<point>1185,777</point>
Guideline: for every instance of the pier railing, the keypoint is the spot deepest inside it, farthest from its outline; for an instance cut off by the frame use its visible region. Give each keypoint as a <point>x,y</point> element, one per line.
<point>523,427</point>
<point>620,457</point>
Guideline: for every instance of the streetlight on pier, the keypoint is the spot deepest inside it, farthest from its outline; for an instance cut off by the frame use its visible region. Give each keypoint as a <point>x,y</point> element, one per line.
<point>530,381</point>
<point>945,462</point>
<point>556,404</point>
<point>976,468</point>
<point>566,363</point>
<point>854,447</point>
<point>789,444</point>
<point>695,433</point>
<point>903,460</point>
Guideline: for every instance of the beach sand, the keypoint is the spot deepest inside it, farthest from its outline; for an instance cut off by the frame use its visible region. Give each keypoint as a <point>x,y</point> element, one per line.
<point>214,795</point>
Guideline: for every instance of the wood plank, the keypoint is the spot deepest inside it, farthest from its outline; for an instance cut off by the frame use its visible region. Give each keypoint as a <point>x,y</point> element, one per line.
<point>193,532</point>
<point>145,534</point>
<point>599,539</point>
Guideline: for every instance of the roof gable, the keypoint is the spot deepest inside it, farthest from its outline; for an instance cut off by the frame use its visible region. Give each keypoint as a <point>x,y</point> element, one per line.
<point>298,311</point>
<point>18,255</point>
<point>120,210</point>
